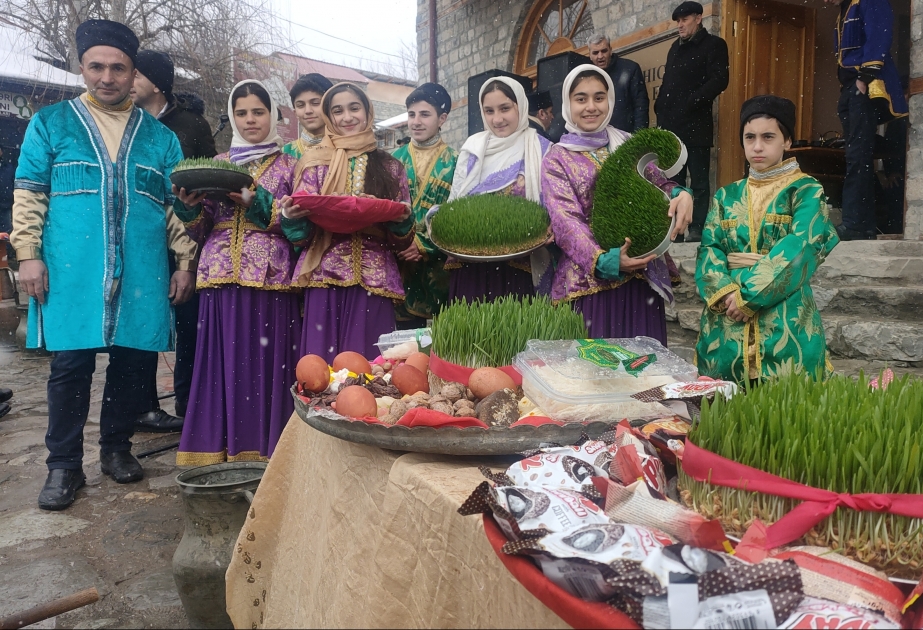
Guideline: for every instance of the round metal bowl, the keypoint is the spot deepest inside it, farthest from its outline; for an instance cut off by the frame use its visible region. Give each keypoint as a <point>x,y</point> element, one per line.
<point>661,249</point>
<point>216,183</point>
<point>447,440</point>
<point>486,259</point>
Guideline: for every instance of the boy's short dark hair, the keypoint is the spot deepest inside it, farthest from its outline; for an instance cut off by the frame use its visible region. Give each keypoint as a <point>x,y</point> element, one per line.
<point>431,93</point>
<point>313,82</point>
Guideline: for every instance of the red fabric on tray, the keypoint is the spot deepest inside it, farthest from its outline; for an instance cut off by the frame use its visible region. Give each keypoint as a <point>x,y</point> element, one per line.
<point>573,610</point>
<point>343,214</point>
<point>816,504</point>
<point>420,417</point>
<point>460,374</point>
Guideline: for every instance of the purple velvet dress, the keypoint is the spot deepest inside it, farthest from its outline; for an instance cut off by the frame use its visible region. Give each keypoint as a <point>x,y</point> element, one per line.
<point>471,281</point>
<point>249,324</point>
<point>349,299</point>
<point>629,306</point>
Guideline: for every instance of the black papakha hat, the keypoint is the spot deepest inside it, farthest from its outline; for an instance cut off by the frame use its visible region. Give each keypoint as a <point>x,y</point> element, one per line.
<point>158,68</point>
<point>106,33</point>
<point>782,109</point>
<point>687,8</point>
<point>434,94</point>
<point>539,100</point>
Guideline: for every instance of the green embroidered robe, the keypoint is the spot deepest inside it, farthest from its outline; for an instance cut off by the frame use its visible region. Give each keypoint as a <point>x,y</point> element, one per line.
<point>779,219</point>
<point>426,283</point>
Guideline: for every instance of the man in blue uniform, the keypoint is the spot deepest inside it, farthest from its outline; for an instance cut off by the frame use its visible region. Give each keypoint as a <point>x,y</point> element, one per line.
<point>870,94</point>
<point>92,223</point>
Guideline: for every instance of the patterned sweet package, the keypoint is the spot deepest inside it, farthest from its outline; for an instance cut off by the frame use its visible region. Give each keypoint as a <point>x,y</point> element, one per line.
<point>813,612</point>
<point>635,458</point>
<point>524,513</point>
<point>565,467</point>
<point>584,561</point>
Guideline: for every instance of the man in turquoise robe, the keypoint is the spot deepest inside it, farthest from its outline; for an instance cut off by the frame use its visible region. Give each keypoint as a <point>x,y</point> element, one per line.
<point>92,223</point>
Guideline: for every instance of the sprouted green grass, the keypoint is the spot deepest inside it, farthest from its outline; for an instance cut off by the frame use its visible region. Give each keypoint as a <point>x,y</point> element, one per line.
<point>197,163</point>
<point>627,205</point>
<point>839,435</point>
<point>490,334</point>
<point>490,225</point>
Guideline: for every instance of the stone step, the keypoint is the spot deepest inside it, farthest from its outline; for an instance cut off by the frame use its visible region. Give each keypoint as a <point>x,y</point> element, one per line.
<point>848,336</point>
<point>875,302</point>
<point>850,263</point>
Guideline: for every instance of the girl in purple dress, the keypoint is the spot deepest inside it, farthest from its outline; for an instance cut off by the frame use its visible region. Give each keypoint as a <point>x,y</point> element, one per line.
<point>503,159</point>
<point>351,280</point>
<point>619,296</point>
<point>249,319</point>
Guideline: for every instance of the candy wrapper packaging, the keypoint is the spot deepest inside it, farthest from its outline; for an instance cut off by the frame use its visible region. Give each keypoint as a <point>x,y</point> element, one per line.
<point>524,513</point>
<point>821,613</point>
<point>566,467</point>
<point>635,458</point>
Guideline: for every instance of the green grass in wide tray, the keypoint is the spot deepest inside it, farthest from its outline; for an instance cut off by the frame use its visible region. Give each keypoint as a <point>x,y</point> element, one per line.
<point>627,205</point>
<point>490,225</point>
<point>839,435</point>
<point>197,163</point>
<point>490,334</point>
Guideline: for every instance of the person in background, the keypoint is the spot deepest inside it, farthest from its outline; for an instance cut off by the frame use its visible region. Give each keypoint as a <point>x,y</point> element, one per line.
<point>760,316</point>
<point>84,164</point>
<point>870,94</point>
<point>249,314</point>
<point>153,92</point>
<point>306,95</point>
<point>632,105</point>
<point>504,159</point>
<point>696,72</point>
<point>7,175</point>
<point>541,112</point>
<point>430,166</point>
<point>351,280</point>
<point>5,395</point>
<point>619,296</point>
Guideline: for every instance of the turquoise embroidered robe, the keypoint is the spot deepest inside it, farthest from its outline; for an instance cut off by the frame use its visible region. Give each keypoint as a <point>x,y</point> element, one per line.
<point>104,240</point>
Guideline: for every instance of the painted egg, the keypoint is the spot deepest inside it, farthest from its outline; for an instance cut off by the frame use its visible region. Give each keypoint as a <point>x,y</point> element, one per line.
<point>356,401</point>
<point>418,360</point>
<point>409,380</point>
<point>485,381</point>
<point>352,361</point>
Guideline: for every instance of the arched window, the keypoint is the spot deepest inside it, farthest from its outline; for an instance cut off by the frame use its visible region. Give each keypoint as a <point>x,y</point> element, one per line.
<point>552,27</point>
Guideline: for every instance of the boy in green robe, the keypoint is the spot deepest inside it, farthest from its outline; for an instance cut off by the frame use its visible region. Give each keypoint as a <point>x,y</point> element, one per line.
<point>764,238</point>
<point>306,94</point>
<point>430,165</point>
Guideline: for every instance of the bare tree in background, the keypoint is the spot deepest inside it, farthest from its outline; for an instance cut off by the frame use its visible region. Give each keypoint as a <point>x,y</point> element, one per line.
<point>404,66</point>
<point>202,36</point>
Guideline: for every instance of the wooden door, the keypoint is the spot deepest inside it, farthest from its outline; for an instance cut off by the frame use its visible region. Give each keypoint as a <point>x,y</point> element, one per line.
<point>771,50</point>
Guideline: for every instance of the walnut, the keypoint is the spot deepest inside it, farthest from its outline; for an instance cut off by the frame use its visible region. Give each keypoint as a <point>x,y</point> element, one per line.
<point>453,391</point>
<point>438,399</point>
<point>463,403</point>
<point>398,409</point>
<point>465,412</point>
<point>444,407</point>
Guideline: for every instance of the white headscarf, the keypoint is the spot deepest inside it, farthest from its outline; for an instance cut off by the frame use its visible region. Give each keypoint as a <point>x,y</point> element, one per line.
<point>579,140</point>
<point>496,155</point>
<point>242,150</point>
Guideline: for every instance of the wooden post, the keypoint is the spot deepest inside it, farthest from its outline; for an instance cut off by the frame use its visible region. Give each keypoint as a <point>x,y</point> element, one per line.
<point>51,609</point>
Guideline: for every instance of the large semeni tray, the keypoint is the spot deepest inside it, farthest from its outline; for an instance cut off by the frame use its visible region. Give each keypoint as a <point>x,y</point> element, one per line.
<point>446,440</point>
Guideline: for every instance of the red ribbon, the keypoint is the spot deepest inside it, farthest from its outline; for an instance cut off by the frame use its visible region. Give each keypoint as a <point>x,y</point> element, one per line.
<point>816,504</point>
<point>460,374</point>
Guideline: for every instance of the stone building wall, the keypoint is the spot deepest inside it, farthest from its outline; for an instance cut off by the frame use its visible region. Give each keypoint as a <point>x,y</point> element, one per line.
<point>478,35</point>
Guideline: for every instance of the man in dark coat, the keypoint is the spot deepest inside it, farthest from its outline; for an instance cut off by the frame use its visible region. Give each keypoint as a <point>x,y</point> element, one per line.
<point>696,72</point>
<point>541,112</point>
<point>153,92</point>
<point>631,100</point>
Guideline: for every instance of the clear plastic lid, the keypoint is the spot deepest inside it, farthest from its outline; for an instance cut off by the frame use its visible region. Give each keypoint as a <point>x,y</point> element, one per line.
<point>592,371</point>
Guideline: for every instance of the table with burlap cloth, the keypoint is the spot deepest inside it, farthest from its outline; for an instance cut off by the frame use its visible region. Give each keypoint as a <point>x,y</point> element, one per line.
<point>343,535</point>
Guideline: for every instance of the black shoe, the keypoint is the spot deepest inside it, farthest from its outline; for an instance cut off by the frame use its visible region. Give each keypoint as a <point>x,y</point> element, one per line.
<point>5,394</point>
<point>60,489</point>
<point>847,234</point>
<point>4,409</point>
<point>158,421</point>
<point>121,466</point>
<point>693,234</point>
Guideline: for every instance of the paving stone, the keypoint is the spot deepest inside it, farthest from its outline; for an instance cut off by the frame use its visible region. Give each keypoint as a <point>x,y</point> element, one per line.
<point>161,483</point>
<point>154,590</point>
<point>96,624</point>
<point>42,580</point>
<point>140,496</point>
<point>35,524</point>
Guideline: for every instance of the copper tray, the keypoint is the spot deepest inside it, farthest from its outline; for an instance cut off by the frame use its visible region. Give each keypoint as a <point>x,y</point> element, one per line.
<point>447,440</point>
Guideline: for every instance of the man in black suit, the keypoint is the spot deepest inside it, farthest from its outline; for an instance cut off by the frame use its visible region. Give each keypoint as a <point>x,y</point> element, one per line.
<point>696,72</point>
<point>631,100</point>
<point>541,112</point>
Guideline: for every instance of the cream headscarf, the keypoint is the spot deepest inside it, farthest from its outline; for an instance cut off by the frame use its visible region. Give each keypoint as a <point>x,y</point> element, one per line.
<point>494,156</point>
<point>577,139</point>
<point>334,151</point>
<point>242,150</point>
